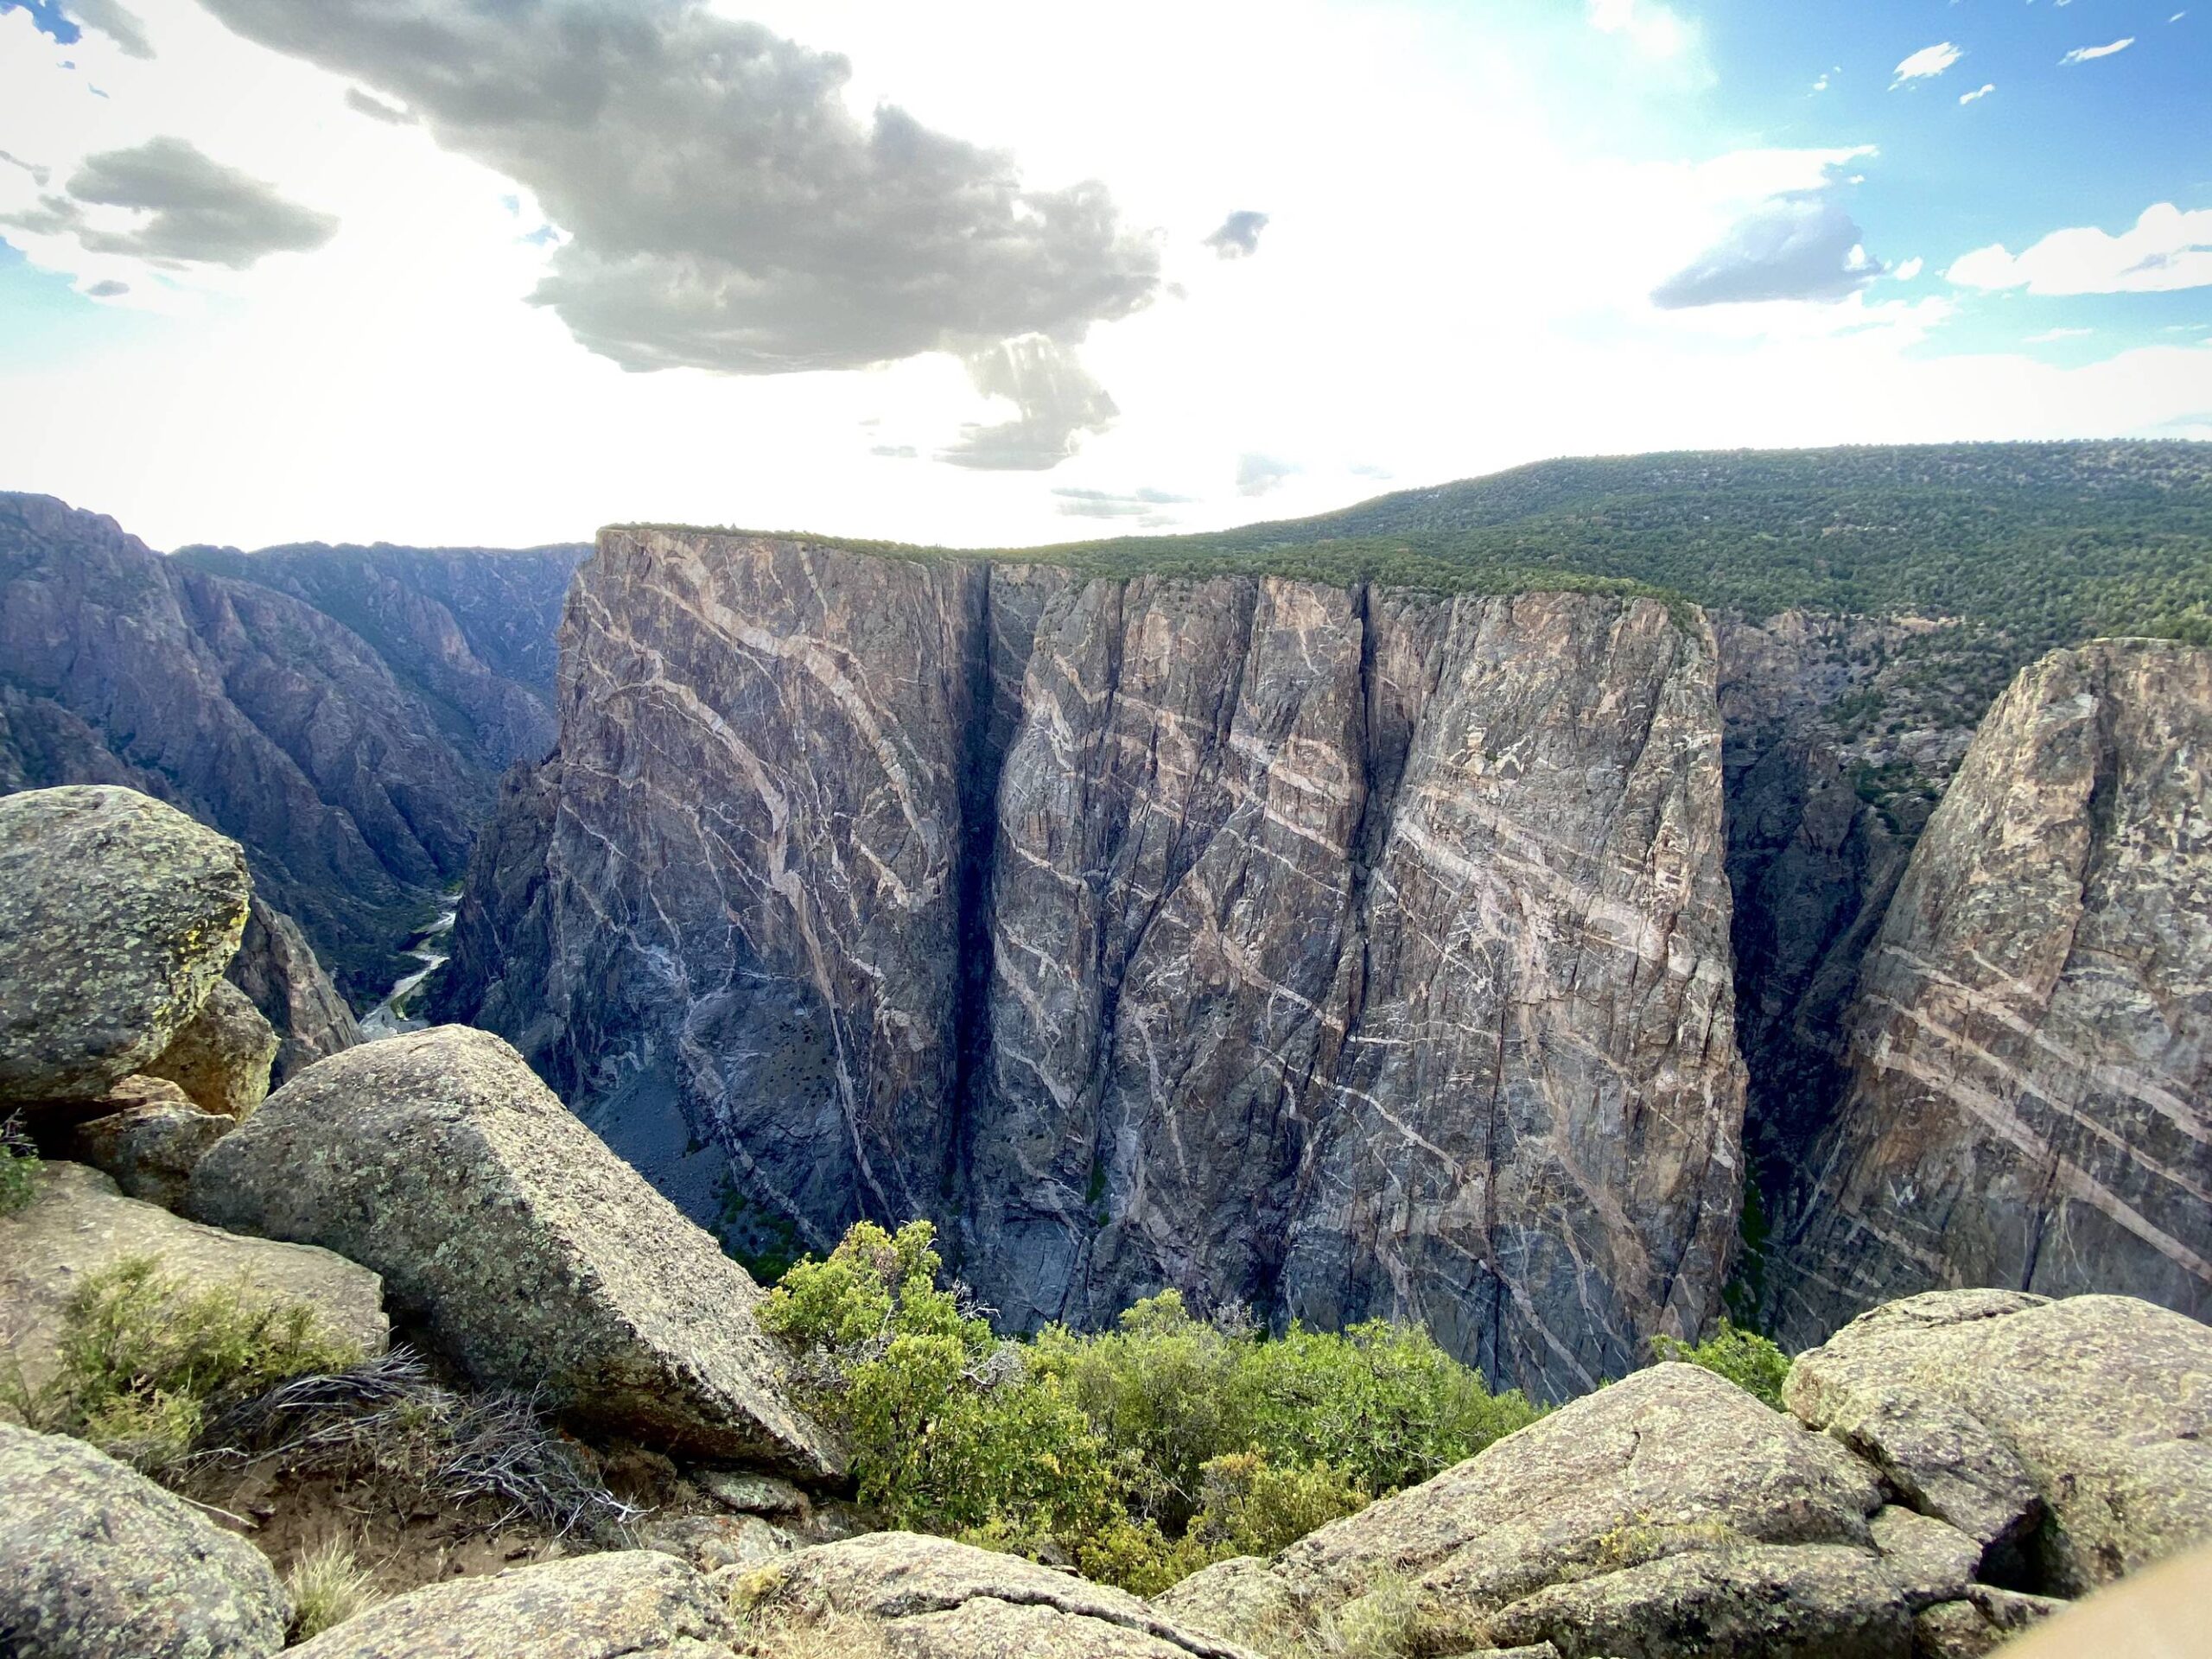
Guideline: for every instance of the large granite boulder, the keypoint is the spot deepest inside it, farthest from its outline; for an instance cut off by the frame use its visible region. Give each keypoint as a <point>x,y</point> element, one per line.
<point>633,1602</point>
<point>148,1140</point>
<point>79,1223</point>
<point>1669,1516</point>
<point>118,915</point>
<point>98,1562</point>
<point>2072,1439</point>
<point>938,1599</point>
<point>536,1257</point>
<point>222,1058</point>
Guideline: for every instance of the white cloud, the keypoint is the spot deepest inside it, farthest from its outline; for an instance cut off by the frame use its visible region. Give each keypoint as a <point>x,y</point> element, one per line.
<point>1927,63</point>
<point>2050,336</point>
<point>2166,250</point>
<point>1977,93</point>
<point>1652,30</point>
<point>2086,53</point>
<point>1909,270</point>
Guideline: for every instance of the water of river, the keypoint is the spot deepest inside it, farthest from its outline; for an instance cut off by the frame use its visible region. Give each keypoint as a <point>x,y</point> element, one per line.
<point>386,1019</point>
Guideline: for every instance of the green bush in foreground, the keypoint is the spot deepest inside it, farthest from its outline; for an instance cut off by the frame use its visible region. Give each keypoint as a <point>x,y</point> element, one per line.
<point>1140,1453</point>
<point>18,1167</point>
<point>143,1360</point>
<point>1744,1358</point>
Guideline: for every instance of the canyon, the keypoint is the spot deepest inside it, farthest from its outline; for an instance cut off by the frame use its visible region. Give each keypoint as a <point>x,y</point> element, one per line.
<point>1554,962</point>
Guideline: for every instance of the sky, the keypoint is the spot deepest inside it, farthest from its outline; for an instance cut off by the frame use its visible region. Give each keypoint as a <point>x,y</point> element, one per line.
<point>499,272</point>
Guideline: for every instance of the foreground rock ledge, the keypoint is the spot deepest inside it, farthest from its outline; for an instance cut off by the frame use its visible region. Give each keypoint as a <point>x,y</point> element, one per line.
<point>79,1224</point>
<point>2073,1439</point>
<point>610,1606</point>
<point>118,915</point>
<point>537,1258</point>
<point>98,1562</point>
<point>940,1600</point>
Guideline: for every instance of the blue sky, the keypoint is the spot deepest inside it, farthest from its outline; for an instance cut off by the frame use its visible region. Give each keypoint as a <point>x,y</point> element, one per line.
<point>273,269</point>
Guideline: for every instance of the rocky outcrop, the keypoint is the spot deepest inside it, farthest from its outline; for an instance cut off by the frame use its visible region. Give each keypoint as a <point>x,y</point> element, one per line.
<point>118,915</point>
<point>2030,1050</point>
<point>98,1562</point>
<point>353,766</point>
<point>80,1224</point>
<point>221,1058</point>
<point>277,970</point>
<point>938,1599</point>
<point>532,1254</point>
<point>1336,952</point>
<point>2072,1440</point>
<point>147,1140</point>
<point>624,1604</point>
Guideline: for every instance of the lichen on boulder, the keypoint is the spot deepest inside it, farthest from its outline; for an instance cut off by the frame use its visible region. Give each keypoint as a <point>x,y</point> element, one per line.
<point>532,1254</point>
<point>118,915</point>
<point>98,1562</point>
<point>151,1140</point>
<point>222,1058</point>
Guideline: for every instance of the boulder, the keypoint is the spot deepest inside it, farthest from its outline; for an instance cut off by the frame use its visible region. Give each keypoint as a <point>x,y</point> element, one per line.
<point>1671,1514</point>
<point>535,1257</point>
<point>150,1142</point>
<point>2072,1439</point>
<point>715,1542</point>
<point>744,1492</point>
<point>938,1599</point>
<point>118,915</point>
<point>80,1222</point>
<point>222,1059</point>
<point>98,1562</point>
<point>1241,1601</point>
<point>610,1606</point>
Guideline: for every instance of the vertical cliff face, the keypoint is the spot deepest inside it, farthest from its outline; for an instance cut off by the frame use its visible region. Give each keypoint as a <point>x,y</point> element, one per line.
<point>2030,1047</point>
<point>1332,952</point>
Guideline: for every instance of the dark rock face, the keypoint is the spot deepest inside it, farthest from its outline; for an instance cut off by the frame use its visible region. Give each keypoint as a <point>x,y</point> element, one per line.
<point>353,766</point>
<point>277,969</point>
<point>2030,1048</point>
<point>1338,952</point>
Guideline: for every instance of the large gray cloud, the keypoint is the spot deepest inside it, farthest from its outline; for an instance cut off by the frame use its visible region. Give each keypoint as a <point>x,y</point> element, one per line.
<point>1799,246</point>
<point>725,208</point>
<point>198,210</point>
<point>117,23</point>
<point>1239,235</point>
<point>1057,399</point>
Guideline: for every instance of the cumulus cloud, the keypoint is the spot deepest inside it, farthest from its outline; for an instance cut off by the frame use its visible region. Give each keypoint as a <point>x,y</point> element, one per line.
<point>1803,246</point>
<point>2166,250</point>
<point>1143,505</point>
<point>725,208</point>
<point>1057,401</point>
<point>109,289</point>
<point>1256,475</point>
<point>117,23</point>
<point>1239,235</point>
<point>195,209</point>
<point>1978,93</point>
<point>1926,64</point>
<point>1910,269</point>
<point>2089,54</point>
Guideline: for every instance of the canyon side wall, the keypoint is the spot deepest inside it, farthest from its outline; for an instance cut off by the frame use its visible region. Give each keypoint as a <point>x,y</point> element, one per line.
<point>2029,1054</point>
<point>1331,952</point>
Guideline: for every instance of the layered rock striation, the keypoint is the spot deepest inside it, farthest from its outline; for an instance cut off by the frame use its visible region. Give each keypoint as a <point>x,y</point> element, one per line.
<point>2029,1055</point>
<point>1334,951</point>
